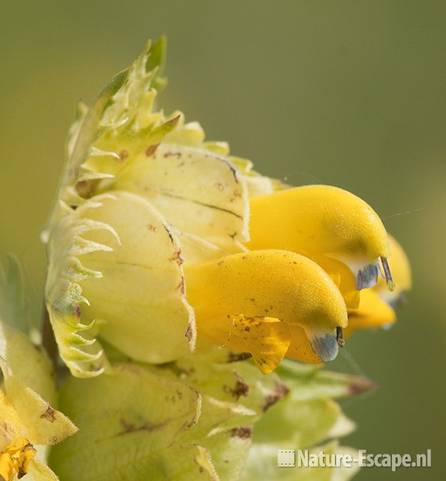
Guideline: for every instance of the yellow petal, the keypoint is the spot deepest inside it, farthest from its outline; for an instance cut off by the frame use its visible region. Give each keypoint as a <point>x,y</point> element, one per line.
<point>319,220</point>
<point>401,272</point>
<point>266,338</point>
<point>27,409</point>
<point>300,348</point>
<point>15,459</point>
<point>372,312</point>
<point>342,277</point>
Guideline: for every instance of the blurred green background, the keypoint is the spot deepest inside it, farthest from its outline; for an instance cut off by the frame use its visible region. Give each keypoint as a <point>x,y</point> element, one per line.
<point>351,93</point>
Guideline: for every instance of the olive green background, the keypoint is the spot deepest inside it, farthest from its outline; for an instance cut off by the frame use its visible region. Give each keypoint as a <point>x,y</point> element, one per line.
<point>351,93</point>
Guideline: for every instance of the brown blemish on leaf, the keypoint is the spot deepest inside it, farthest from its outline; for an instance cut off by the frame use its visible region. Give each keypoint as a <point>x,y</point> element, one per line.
<point>172,154</point>
<point>129,427</point>
<point>151,227</point>
<point>151,149</point>
<point>360,385</point>
<point>177,257</point>
<point>280,392</point>
<point>243,432</point>
<point>49,414</point>
<point>123,154</point>
<point>169,234</point>
<point>240,389</point>
<point>180,286</point>
<point>189,332</point>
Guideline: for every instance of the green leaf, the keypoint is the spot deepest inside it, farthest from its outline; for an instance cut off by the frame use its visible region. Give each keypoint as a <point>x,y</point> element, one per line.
<point>308,382</point>
<point>144,423</point>
<point>299,424</point>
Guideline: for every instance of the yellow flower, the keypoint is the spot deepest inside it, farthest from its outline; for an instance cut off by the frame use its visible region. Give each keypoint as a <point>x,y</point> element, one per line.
<point>158,230</point>
<point>338,232</point>
<point>29,422</point>
<point>16,458</point>
<point>322,221</point>
<point>265,302</point>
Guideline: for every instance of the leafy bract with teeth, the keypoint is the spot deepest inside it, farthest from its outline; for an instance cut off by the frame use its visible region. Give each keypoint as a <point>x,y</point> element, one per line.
<point>227,376</point>
<point>146,423</point>
<point>115,271</point>
<point>190,187</point>
<point>123,144</point>
<point>303,419</point>
<point>301,423</point>
<point>189,420</point>
<point>27,400</point>
<point>308,382</point>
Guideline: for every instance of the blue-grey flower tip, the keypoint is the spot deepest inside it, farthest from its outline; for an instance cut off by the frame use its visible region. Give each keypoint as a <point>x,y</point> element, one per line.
<point>367,276</point>
<point>325,345</point>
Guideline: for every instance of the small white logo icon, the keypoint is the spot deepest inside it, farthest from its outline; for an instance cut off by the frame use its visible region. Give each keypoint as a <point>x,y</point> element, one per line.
<point>286,458</point>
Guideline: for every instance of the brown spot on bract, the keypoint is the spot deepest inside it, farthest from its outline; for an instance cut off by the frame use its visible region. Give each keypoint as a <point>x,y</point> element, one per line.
<point>151,149</point>
<point>49,414</point>
<point>169,234</point>
<point>189,332</point>
<point>180,286</point>
<point>219,186</point>
<point>152,228</point>
<point>240,389</point>
<point>172,154</point>
<point>177,257</point>
<point>130,427</point>
<point>243,432</point>
<point>280,391</point>
<point>123,154</point>
<point>360,385</point>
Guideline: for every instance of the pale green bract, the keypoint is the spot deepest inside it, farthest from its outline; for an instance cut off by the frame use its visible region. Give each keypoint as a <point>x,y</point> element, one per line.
<point>182,186</point>
<point>197,418</point>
